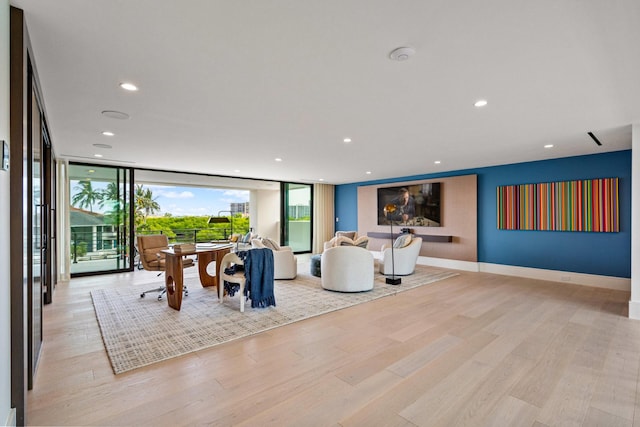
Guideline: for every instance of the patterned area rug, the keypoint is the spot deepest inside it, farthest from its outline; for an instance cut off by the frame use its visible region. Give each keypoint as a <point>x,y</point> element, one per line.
<point>141,331</point>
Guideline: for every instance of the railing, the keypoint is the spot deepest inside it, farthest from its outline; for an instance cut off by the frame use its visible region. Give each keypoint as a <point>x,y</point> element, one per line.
<point>95,245</point>
<point>195,235</point>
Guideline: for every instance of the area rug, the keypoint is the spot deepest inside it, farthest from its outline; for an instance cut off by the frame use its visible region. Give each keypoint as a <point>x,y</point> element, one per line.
<point>141,331</point>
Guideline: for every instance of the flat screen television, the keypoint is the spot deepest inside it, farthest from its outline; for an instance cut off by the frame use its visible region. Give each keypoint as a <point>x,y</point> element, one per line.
<point>416,205</point>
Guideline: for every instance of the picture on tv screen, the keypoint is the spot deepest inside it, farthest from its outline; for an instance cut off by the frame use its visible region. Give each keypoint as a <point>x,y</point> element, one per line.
<point>416,205</point>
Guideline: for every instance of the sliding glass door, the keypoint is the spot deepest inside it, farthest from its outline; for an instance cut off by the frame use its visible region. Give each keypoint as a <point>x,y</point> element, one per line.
<point>297,208</point>
<point>100,219</point>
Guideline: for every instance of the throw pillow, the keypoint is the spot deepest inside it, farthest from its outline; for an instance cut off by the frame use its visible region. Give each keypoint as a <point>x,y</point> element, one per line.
<point>362,242</point>
<point>402,241</point>
<point>344,241</point>
<point>270,243</point>
<point>247,238</point>
<point>350,234</point>
<point>257,243</point>
<point>331,243</point>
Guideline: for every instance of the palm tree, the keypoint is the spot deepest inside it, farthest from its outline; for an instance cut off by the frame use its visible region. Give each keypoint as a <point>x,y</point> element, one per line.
<point>110,194</point>
<point>85,195</point>
<point>145,203</point>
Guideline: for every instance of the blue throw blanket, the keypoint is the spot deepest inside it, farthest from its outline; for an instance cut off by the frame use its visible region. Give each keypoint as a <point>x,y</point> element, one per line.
<point>258,270</point>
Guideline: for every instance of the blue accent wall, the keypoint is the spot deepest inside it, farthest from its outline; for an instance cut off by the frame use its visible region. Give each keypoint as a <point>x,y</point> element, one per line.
<point>607,254</point>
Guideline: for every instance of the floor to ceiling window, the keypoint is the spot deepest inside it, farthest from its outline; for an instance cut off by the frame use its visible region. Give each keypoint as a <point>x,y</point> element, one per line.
<point>108,206</point>
<point>296,216</point>
<point>100,215</point>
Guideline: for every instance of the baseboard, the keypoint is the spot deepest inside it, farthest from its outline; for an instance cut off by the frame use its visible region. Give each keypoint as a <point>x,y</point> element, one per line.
<point>594,280</point>
<point>634,310</point>
<point>11,418</point>
<point>448,263</point>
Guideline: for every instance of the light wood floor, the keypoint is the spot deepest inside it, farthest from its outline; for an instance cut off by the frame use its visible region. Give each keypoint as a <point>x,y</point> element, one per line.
<point>476,350</point>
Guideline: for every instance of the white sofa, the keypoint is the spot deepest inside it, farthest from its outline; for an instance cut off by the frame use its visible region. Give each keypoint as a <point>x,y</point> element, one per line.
<point>405,258</point>
<point>285,264</point>
<point>347,269</point>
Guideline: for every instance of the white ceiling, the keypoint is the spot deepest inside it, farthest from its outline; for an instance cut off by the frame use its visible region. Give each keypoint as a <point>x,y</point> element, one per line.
<point>227,86</point>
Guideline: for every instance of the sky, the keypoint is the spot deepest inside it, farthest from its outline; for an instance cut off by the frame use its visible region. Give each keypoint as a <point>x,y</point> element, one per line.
<point>194,201</point>
<point>183,201</point>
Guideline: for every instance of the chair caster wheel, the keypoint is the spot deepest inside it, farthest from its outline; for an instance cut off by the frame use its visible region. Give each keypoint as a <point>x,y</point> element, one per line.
<point>159,297</point>
<point>141,295</point>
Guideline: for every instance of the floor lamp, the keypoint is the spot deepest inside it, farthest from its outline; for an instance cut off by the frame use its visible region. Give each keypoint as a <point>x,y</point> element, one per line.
<point>393,280</point>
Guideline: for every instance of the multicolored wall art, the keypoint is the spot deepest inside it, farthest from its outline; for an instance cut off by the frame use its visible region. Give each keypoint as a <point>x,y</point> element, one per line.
<point>585,205</point>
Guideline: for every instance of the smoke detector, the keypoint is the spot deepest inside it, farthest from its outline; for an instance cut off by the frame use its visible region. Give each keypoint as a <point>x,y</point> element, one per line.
<point>402,53</point>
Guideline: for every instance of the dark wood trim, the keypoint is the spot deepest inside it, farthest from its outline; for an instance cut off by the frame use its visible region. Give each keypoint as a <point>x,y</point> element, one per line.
<point>425,237</point>
<point>18,139</point>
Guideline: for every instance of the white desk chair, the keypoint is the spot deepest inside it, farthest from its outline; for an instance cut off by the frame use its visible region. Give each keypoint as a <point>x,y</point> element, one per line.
<point>239,278</point>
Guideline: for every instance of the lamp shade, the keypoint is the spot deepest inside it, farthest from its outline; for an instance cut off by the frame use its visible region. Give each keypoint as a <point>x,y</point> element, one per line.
<point>219,220</point>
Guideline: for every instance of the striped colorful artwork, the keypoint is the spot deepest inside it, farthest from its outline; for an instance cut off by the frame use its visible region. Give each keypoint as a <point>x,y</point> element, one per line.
<point>586,205</point>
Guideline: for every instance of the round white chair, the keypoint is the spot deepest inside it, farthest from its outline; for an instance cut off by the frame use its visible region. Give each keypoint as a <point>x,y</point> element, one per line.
<point>347,269</point>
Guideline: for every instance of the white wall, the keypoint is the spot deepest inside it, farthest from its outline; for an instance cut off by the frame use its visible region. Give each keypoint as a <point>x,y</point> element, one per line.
<point>265,213</point>
<point>7,416</point>
<point>634,304</point>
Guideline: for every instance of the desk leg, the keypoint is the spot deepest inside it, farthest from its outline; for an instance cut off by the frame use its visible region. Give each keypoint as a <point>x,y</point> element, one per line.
<point>174,280</point>
<point>206,258</point>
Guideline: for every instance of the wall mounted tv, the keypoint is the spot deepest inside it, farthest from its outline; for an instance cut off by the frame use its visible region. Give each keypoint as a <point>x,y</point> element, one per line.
<point>416,205</point>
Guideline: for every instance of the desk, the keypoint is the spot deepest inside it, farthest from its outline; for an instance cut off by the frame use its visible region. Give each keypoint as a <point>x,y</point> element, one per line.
<point>174,275</point>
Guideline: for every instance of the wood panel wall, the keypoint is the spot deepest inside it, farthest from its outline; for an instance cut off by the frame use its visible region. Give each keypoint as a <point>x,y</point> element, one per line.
<point>459,204</point>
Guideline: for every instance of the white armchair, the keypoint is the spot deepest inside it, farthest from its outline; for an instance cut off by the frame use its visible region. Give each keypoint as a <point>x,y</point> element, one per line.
<point>347,269</point>
<point>405,258</point>
<point>285,264</point>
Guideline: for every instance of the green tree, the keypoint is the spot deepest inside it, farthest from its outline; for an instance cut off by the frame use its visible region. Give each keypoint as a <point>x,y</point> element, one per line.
<point>85,195</point>
<point>110,194</point>
<point>145,204</point>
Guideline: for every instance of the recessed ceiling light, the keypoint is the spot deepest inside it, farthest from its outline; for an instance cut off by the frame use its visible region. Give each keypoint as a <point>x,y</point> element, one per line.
<point>278,159</point>
<point>107,133</point>
<point>107,146</point>
<point>437,162</point>
<point>347,140</point>
<point>236,170</point>
<point>321,179</point>
<point>129,86</point>
<point>97,155</point>
<point>402,53</point>
<point>480,103</point>
<point>368,172</point>
<point>548,146</point>
<point>115,114</point>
